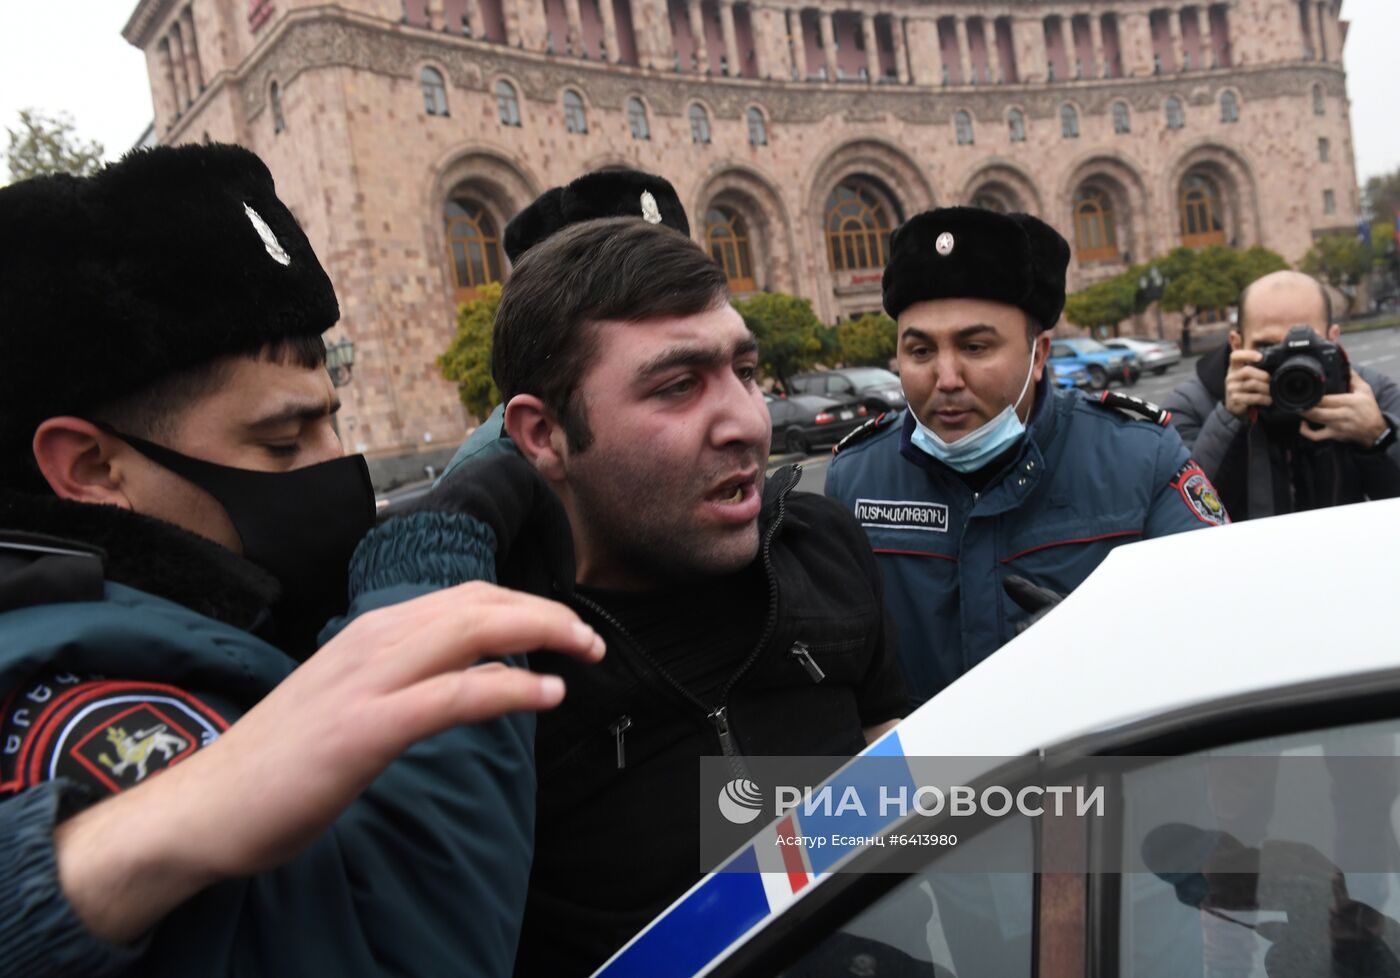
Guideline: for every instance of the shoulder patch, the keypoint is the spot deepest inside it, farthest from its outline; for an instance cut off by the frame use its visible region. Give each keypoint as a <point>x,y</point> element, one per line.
<point>1134,407</point>
<point>106,735</point>
<point>865,431</point>
<point>1195,487</point>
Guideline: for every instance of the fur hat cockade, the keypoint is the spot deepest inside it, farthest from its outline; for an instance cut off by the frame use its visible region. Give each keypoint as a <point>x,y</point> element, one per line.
<point>170,258</point>
<point>603,193</point>
<point>970,253</point>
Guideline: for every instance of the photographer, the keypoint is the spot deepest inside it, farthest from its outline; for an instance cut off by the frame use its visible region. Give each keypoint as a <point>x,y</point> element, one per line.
<point>1280,420</point>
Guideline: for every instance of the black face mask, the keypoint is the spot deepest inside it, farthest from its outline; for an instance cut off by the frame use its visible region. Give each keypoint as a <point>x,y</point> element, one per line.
<point>301,526</point>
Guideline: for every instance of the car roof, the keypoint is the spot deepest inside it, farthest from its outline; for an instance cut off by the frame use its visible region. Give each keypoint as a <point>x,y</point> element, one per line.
<point>1247,609</point>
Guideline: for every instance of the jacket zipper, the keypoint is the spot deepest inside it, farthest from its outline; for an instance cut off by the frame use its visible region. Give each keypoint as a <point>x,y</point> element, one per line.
<point>717,716</point>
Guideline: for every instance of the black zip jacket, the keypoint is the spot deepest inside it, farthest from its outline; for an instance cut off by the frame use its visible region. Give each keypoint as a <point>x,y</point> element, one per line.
<point>617,837</point>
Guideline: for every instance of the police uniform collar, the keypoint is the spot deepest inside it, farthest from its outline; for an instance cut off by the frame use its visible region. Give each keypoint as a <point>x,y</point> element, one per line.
<point>150,555</point>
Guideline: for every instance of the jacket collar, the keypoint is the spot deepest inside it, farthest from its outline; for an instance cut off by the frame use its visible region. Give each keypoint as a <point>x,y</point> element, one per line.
<point>1211,370</point>
<point>151,555</point>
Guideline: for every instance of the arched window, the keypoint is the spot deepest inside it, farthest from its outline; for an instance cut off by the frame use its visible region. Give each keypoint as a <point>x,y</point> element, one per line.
<point>962,124</point>
<point>473,247</point>
<point>1200,213</point>
<point>858,224</point>
<point>434,92</point>
<point>274,96</point>
<point>1319,106</point>
<point>575,120</point>
<point>1176,115</point>
<point>758,128</point>
<point>989,202</point>
<point>1069,122</point>
<point>1016,124</point>
<point>637,119</point>
<point>1324,150</point>
<point>507,103</point>
<point>1122,119</point>
<point>1094,236</point>
<point>1229,107</point>
<point>727,235</point>
<point>699,124</point>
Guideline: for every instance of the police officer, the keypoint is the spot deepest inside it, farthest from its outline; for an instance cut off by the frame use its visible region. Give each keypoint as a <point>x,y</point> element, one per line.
<point>991,473</point>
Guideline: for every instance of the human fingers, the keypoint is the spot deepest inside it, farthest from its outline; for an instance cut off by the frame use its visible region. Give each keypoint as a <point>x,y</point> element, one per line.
<point>1240,359</point>
<point>1324,433</point>
<point>463,633</point>
<point>469,696</point>
<point>1359,385</point>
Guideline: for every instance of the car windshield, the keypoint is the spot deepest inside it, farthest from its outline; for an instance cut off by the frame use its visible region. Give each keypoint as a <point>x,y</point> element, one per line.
<point>871,377</point>
<point>1086,345</point>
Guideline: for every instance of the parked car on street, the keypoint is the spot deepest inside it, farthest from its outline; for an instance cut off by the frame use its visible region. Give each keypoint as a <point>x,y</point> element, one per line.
<point>807,421</point>
<point>1272,718</point>
<point>1154,355</point>
<point>1066,374</point>
<point>1103,365</point>
<point>876,388</point>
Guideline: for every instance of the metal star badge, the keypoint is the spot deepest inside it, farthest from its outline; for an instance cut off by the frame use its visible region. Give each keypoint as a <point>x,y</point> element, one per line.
<point>650,212</point>
<point>944,244</point>
<point>269,240</point>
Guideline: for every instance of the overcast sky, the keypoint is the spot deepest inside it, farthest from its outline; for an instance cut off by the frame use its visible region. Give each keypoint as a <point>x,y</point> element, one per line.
<point>69,56</point>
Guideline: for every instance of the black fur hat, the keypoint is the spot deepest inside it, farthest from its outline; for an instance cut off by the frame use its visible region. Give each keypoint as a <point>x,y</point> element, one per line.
<point>614,192</point>
<point>970,253</point>
<point>165,260</point>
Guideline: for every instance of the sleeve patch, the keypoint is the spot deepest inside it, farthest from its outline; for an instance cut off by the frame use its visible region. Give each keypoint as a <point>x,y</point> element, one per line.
<point>1199,494</point>
<point>106,735</point>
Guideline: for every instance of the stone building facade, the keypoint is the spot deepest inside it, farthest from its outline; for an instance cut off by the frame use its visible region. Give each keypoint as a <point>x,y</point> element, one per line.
<point>405,133</point>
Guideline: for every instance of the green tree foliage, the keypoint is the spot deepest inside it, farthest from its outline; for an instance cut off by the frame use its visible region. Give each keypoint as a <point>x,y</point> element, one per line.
<point>790,336</point>
<point>1340,259</point>
<point>467,362</point>
<point>1383,199</point>
<point>868,341</point>
<point>1104,303</point>
<point>44,144</point>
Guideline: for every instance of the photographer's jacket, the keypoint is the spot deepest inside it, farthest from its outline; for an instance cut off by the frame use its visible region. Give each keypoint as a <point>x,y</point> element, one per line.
<point>1084,479</point>
<point>126,645</point>
<point>1261,470</point>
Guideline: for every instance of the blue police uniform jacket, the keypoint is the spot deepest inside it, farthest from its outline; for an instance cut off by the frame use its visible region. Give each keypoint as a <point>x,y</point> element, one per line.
<point>1085,479</point>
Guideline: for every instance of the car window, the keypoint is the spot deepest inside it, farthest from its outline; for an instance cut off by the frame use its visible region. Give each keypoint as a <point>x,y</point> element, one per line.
<point>871,377</point>
<point>941,923</point>
<point>1086,345</point>
<point>1060,350</point>
<point>838,385</point>
<point>1294,808</point>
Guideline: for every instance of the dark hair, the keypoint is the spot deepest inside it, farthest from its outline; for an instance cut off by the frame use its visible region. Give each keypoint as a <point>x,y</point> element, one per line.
<point>1321,290</point>
<point>616,268</point>
<point>154,411</point>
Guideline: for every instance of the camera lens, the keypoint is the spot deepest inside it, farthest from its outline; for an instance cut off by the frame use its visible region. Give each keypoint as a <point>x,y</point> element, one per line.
<point>1298,384</point>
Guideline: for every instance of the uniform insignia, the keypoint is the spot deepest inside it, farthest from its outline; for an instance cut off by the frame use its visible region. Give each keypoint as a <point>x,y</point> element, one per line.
<point>1200,495</point>
<point>269,240</point>
<point>1135,407</point>
<point>650,212</point>
<point>864,431</point>
<point>902,514</point>
<point>106,735</point>
<point>944,244</point>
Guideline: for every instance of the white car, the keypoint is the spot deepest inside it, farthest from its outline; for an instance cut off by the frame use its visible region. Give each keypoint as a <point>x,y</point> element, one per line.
<point>1155,355</point>
<point>1281,643</point>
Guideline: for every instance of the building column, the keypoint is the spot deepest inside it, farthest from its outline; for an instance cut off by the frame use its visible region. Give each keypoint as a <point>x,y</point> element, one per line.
<point>828,44</point>
<point>989,38</point>
<point>901,49</point>
<point>605,7</point>
<point>964,50</point>
<point>1174,39</point>
<point>192,52</point>
<point>177,54</point>
<point>1098,57</point>
<point>436,17</point>
<point>573,44</point>
<point>872,49</point>
<point>471,12</point>
<point>697,36</point>
<point>731,43</point>
<point>1322,44</point>
<point>797,44</point>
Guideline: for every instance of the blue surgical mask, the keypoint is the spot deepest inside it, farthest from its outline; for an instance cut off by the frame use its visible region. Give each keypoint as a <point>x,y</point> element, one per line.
<point>978,447</point>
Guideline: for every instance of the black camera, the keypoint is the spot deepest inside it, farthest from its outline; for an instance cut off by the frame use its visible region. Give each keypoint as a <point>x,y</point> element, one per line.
<point>1302,369</point>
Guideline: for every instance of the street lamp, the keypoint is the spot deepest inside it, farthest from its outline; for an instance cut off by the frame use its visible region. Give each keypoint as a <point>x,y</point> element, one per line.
<point>340,359</point>
<point>1151,285</point>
